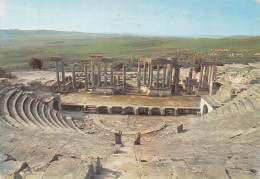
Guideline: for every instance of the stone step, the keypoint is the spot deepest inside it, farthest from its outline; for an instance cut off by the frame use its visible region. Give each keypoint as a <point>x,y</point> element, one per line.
<point>226,109</point>
<point>3,91</point>
<point>247,103</point>
<point>20,112</point>
<point>40,109</point>
<point>256,88</point>
<point>6,114</point>
<point>14,102</point>
<point>253,101</point>
<point>47,113</point>
<point>35,113</point>
<point>62,120</point>
<point>28,113</point>
<point>220,111</point>
<point>233,109</point>
<point>54,116</point>
<point>11,104</point>
<point>255,93</point>
<point>241,106</point>
<point>71,123</point>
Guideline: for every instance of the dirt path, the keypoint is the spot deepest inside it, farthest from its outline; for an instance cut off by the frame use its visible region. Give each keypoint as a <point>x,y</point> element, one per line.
<point>122,164</point>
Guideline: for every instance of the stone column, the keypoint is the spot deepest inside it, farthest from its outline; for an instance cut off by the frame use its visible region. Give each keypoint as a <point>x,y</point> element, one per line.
<point>86,76</point>
<point>118,80</point>
<point>209,75</point>
<point>57,73</point>
<point>105,74</point>
<point>170,76</point>
<point>205,81</point>
<point>177,76</point>
<point>74,78</point>
<point>112,76</point>
<point>139,78</point>
<point>176,112</point>
<point>89,77</point>
<point>212,81</point>
<point>115,80</point>
<point>124,77</point>
<point>63,73</point>
<point>145,71</point>
<point>93,76</point>
<point>151,76</point>
<point>99,75</point>
<point>201,76</point>
<point>190,80</point>
<point>164,74</point>
<point>158,75</point>
<point>167,74</point>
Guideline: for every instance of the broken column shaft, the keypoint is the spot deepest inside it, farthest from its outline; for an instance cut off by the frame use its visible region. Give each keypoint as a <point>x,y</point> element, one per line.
<point>74,78</point>
<point>139,78</point>
<point>158,76</point>
<point>112,76</point>
<point>57,73</point>
<point>86,76</point>
<point>151,77</point>
<point>124,77</point>
<point>190,80</point>
<point>170,76</point>
<point>63,73</point>
<point>93,76</point>
<point>105,74</point>
<point>145,71</point>
<point>99,75</point>
<point>164,75</point>
<point>177,77</point>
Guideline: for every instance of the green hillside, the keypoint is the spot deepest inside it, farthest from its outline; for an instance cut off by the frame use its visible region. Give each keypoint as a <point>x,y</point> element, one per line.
<point>17,46</point>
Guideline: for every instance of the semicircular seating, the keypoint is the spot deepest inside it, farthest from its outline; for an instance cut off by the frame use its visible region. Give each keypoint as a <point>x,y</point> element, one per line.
<point>21,110</point>
<point>245,102</point>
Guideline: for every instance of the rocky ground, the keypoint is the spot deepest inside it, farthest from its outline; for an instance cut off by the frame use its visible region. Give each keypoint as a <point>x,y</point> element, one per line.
<point>36,154</point>
<point>226,145</point>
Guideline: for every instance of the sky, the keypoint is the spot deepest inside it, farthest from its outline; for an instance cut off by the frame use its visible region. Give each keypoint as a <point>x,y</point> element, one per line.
<point>141,17</point>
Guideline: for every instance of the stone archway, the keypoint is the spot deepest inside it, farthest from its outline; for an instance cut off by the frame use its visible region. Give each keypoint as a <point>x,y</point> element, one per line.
<point>102,110</point>
<point>128,111</point>
<point>205,109</point>
<point>155,112</point>
<point>117,110</point>
<point>143,110</point>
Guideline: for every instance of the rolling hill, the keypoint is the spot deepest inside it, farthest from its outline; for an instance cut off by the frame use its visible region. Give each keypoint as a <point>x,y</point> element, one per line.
<point>18,46</point>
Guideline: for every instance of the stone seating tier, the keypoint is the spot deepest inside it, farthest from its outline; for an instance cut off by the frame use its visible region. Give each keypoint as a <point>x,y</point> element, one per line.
<point>23,111</point>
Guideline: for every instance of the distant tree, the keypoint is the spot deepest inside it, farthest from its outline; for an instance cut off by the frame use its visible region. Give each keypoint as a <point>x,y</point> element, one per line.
<point>36,63</point>
<point>197,62</point>
<point>119,66</point>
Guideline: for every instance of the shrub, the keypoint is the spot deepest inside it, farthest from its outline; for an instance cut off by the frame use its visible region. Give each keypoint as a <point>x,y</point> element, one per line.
<point>36,63</point>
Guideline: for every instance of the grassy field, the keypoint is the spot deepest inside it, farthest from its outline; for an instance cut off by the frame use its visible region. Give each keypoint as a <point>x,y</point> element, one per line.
<point>17,47</point>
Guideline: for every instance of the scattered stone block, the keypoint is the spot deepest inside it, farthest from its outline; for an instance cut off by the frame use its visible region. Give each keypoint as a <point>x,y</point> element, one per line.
<point>179,128</point>
<point>118,136</point>
<point>137,138</point>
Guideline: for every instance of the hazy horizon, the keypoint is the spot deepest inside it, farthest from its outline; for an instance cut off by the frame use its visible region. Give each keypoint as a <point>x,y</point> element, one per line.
<point>172,18</point>
<point>142,35</point>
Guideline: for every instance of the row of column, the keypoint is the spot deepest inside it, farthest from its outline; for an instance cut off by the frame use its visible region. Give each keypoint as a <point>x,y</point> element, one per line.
<point>96,79</point>
<point>166,79</point>
<point>58,66</point>
<point>207,77</point>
